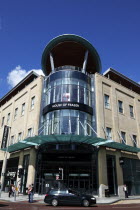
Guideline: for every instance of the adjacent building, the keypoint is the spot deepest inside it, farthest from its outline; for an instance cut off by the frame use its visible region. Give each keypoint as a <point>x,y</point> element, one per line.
<point>73,127</point>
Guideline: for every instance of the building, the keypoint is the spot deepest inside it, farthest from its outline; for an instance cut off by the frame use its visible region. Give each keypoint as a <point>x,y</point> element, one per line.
<point>73,127</point>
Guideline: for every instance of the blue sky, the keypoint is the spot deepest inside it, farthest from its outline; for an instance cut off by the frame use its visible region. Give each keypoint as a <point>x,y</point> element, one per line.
<point>112,26</point>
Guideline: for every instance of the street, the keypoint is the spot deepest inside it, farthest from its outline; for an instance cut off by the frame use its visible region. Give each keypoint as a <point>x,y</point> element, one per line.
<point>22,206</point>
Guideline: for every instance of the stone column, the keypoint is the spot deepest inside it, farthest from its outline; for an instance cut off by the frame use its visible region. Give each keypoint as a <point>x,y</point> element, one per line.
<point>102,172</point>
<point>20,164</point>
<point>31,167</point>
<point>119,172</point>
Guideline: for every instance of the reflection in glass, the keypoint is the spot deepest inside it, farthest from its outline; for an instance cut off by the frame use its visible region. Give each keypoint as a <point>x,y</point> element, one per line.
<point>67,122</point>
<point>68,88</point>
<point>73,93</point>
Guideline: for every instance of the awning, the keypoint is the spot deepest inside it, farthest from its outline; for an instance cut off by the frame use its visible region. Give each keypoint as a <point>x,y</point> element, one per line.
<point>123,147</point>
<point>63,139</point>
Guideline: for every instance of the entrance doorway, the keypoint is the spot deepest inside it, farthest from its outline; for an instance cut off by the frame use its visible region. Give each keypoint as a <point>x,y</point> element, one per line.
<point>79,169</point>
<point>111,174</point>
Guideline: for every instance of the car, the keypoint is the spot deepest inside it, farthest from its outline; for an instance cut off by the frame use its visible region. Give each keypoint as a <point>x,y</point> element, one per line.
<point>57,197</point>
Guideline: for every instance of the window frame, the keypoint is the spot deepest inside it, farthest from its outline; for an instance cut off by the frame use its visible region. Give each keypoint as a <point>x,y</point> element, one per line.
<point>107,102</point>
<point>134,140</point>
<point>2,122</point>
<point>108,134</point>
<point>12,139</point>
<point>23,109</point>
<point>120,108</point>
<point>32,102</point>
<point>8,118</point>
<point>123,137</point>
<point>19,136</point>
<point>30,132</point>
<point>131,111</point>
<point>16,112</point>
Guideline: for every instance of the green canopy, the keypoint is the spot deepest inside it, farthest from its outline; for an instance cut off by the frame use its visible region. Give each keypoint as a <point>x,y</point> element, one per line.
<point>63,139</point>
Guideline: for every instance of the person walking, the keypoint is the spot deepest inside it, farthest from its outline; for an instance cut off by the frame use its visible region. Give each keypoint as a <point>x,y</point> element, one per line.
<point>30,193</point>
<point>13,190</point>
<point>10,190</point>
<point>125,191</point>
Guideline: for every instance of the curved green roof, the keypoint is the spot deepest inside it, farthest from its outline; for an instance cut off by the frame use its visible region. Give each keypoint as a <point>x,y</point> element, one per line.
<point>70,38</point>
<point>64,139</point>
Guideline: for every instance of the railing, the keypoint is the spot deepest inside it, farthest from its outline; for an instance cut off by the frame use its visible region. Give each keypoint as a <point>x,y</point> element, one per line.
<point>73,68</point>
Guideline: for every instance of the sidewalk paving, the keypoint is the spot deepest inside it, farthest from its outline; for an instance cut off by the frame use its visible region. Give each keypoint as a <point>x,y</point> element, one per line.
<point>40,199</point>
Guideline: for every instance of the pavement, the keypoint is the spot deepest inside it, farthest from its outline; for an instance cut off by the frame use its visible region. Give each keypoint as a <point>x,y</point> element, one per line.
<point>113,200</point>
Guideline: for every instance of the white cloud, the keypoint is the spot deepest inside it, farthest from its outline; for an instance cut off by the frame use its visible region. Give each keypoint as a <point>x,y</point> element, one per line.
<point>17,74</point>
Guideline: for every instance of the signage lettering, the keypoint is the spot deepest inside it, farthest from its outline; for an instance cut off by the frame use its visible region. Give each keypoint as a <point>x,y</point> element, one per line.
<point>68,105</point>
<point>5,136</point>
<point>65,105</point>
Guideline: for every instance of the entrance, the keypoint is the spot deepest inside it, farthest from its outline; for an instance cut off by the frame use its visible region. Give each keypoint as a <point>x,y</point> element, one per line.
<point>79,169</point>
<point>111,174</point>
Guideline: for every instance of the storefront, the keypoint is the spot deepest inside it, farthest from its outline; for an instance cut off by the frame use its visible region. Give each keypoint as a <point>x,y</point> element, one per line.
<point>79,164</point>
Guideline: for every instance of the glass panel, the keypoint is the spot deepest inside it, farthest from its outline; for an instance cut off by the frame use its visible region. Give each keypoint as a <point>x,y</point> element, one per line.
<point>65,125</point>
<point>73,125</point>
<point>81,94</point>
<point>65,93</point>
<point>58,94</point>
<point>51,95</point>
<point>70,121</point>
<point>74,93</point>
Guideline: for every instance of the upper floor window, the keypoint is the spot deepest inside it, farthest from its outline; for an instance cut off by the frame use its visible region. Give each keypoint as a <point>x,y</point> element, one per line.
<point>32,102</point>
<point>107,101</point>
<point>120,106</point>
<point>8,118</point>
<point>16,111</point>
<point>30,132</point>
<point>123,136</point>
<point>23,109</point>
<point>134,140</point>
<point>19,136</point>
<point>2,122</point>
<point>108,133</point>
<point>12,139</point>
<point>131,111</point>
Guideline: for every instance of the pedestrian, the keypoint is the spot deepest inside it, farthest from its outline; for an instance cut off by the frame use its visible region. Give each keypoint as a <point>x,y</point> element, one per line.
<point>10,190</point>
<point>30,193</point>
<point>125,191</point>
<point>13,190</point>
<point>18,189</point>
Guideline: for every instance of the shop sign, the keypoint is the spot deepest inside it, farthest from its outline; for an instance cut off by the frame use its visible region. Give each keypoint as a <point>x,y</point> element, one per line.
<point>11,174</point>
<point>5,136</point>
<point>68,105</point>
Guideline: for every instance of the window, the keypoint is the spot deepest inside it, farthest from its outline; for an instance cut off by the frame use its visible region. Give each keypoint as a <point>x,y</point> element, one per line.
<point>12,139</point>
<point>123,136</point>
<point>23,109</point>
<point>134,140</point>
<point>131,111</point>
<point>19,136</point>
<point>30,132</point>
<point>8,118</point>
<point>32,102</point>
<point>120,105</point>
<point>15,115</point>
<point>108,133</point>
<point>2,123</point>
<point>107,101</point>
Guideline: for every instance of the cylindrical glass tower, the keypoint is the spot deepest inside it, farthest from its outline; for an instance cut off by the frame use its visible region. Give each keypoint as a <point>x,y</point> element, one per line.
<point>69,62</point>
